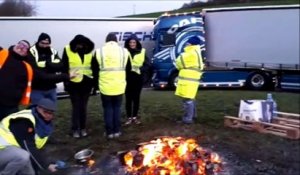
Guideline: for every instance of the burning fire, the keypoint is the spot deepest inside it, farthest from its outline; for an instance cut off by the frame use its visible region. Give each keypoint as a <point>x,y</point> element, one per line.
<point>91,163</point>
<point>171,156</point>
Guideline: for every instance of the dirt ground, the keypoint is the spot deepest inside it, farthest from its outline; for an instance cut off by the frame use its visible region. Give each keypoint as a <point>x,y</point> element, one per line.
<point>242,152</point>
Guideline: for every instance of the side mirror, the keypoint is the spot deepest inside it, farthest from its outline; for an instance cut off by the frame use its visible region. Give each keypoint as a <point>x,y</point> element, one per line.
<point>154,21</point>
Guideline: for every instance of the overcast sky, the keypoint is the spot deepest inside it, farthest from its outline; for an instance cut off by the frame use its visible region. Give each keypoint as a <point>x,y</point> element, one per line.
<point>102,8</point>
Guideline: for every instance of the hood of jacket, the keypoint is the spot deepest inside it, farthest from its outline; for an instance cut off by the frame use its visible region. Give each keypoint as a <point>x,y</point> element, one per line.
<point>88,45</point>
<point>138,44</point>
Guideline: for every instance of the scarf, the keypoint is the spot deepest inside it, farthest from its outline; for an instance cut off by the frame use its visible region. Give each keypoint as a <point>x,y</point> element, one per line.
<point>42,128</point>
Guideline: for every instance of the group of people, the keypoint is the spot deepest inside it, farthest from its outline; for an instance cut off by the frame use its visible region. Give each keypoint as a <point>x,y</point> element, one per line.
<point>28,76</point>
<point>24,81</point>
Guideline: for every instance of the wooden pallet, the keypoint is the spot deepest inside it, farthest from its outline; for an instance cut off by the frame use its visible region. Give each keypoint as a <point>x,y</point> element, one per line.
<point>285,125</point>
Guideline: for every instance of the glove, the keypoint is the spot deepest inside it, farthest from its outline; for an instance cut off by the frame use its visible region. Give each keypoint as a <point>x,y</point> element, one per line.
<point>60,164</point>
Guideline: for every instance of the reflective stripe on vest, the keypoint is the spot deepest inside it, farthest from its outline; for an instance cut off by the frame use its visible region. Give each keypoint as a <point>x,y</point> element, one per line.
<point>190,66</point>
<point>34,52</point>
<point>102,66</point>
<point>77,66</point>
<point>189,79</point>
<point>112,78</point>
<point>200,64</point>
<point>137,61</point>
<point>26,94</point>
<point>3,56</point>
<point>191,72</point>
<point>6,136</point>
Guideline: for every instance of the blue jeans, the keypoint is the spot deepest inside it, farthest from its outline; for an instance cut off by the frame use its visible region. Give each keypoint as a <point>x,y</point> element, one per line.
<point>15,160</point>
<point>112,112</point>
<point>37,95</point>
<point>189,106</point>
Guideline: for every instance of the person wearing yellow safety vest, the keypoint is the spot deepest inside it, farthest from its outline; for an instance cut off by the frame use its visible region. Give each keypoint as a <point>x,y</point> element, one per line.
<point>135,70</point>
<point>22,135</point>
<point>190,66</point>
<point>77,58</point>
<point>47,62</point>
<point>16,75</point>
<point>110,64</point>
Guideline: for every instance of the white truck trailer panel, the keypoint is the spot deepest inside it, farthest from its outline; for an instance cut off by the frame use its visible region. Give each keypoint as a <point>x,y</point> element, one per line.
<point>262,36</point>
<point>62,31</point>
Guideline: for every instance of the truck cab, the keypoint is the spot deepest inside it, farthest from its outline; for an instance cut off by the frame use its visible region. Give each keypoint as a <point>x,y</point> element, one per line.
<point>171,33</point>
<point>254,47</point>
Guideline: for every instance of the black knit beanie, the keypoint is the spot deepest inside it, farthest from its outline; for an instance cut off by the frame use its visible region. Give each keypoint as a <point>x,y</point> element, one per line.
<point>44,36</point>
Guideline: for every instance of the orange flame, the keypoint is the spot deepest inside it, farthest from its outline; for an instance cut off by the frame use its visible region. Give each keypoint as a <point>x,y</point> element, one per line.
<point>168,155</point>
<point>91,163</point>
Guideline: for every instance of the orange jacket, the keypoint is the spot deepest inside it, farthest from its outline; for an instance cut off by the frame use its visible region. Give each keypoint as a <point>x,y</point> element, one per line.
<point>26,95</point>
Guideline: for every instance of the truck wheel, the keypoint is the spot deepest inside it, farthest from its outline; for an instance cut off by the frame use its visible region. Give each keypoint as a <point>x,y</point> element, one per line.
<point>173,80</point>
<point>258,81</point>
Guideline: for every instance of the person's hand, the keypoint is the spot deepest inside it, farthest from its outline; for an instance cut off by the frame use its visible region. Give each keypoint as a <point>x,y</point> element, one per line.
<point>73,74</point>
<point>60,164</point>
<point>52,168</point>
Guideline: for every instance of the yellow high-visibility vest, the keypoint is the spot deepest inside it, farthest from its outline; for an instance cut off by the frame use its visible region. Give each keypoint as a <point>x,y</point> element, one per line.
<point>42,64</point>
<point>137,61</point>
<point>190,66</point>
<point>112,60</point>
<point>6,136</point>
<point>76,65</point>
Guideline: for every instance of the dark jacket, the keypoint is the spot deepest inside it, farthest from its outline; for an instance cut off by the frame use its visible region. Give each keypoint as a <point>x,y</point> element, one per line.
<point>87,83</point>
<point>50,73</point>
<point>132,77</point>
<point>13,80</point>
<point>24,133</point>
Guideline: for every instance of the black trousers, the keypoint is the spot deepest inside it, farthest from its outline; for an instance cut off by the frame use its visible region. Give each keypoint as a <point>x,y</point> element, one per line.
<point>132,94</point>
<point>79,102</point>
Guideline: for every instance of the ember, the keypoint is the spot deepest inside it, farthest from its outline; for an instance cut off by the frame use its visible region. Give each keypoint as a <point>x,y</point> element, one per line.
<point>171,156</point>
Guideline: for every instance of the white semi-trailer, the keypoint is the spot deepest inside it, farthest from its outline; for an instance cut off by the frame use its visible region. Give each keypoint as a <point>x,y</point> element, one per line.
<point>63,30</point>
<point>256,47</point>
<point>265,37</point>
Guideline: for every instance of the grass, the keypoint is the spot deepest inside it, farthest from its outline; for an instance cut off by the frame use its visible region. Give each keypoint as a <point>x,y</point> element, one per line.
<point>261,3</point>
<point>159,110</point>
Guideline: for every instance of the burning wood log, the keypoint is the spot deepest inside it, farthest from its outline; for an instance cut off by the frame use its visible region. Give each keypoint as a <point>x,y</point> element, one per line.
<point>171,156</point>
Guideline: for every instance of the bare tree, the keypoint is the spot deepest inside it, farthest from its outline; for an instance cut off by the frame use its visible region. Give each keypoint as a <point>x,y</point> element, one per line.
<point>17,8</point>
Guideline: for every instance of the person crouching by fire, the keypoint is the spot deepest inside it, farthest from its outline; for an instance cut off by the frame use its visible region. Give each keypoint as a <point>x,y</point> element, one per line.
<point>22,135</point>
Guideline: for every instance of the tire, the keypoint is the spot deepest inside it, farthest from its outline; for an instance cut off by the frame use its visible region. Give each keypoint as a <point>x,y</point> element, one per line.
<point>173,81</point>
<point>258,81</point>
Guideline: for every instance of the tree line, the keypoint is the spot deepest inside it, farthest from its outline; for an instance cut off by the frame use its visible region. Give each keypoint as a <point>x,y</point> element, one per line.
<point>17,8</point>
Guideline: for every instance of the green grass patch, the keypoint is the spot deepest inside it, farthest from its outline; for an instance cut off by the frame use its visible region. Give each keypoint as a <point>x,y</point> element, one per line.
<point>159,110</point>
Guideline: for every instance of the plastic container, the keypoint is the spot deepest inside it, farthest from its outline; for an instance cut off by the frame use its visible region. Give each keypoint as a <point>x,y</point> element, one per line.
<point>274,107</point>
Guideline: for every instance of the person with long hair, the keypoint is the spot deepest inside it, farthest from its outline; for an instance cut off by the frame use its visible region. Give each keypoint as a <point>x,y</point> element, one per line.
<point>135,69</point>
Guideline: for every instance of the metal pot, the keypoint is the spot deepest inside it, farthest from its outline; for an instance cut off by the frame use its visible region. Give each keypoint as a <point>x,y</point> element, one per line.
<point>83,156</point>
